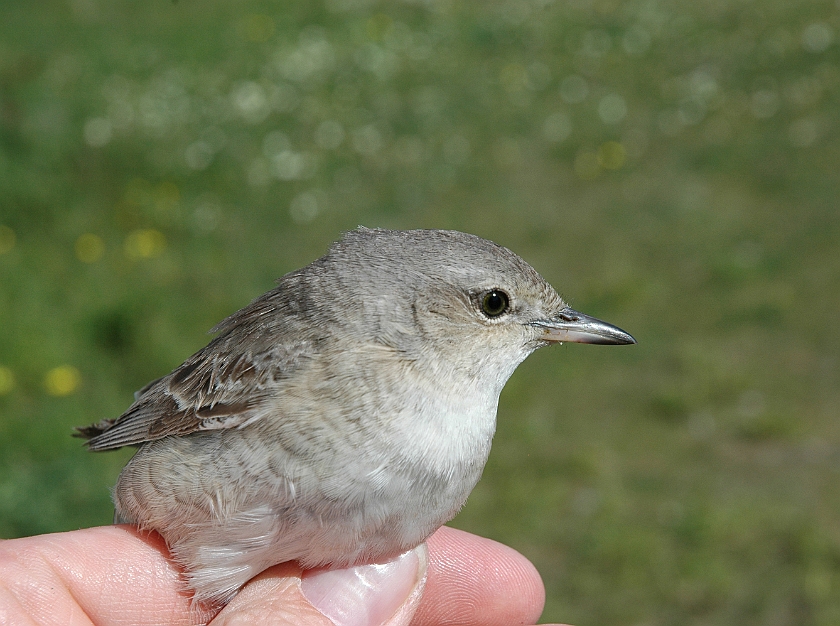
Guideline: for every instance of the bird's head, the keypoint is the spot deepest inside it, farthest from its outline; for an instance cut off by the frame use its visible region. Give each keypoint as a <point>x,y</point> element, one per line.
<point>473,305</point>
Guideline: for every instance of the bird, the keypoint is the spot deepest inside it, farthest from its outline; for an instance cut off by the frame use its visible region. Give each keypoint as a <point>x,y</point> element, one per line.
<point>341,417</point>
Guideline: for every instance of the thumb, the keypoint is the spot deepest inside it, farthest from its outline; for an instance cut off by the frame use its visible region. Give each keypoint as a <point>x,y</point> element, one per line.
<point>385,594</point>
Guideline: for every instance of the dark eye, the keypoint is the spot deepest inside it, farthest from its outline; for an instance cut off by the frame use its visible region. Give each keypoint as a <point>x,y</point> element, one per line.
<point>494,303</point>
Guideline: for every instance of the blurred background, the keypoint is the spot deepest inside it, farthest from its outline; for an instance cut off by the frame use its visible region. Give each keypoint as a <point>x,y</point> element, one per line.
<point>672,167</point>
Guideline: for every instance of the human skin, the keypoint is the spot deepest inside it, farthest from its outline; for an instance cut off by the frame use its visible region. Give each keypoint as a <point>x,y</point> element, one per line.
<point>117,575</point>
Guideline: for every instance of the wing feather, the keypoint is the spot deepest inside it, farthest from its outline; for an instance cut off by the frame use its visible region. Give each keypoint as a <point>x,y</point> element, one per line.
<point>226,384</point>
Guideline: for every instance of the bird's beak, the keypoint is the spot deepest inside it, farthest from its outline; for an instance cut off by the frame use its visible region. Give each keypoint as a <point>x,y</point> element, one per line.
<point>569,325</point>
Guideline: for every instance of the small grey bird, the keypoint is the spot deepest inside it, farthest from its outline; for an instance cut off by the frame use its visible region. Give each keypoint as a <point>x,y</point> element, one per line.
<point>343,416</point>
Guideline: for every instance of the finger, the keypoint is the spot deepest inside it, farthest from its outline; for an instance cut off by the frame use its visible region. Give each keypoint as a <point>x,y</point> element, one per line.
<point>475,581</point>
<point>118,575</point>
<point>108,575</point>
<point>369,595</point>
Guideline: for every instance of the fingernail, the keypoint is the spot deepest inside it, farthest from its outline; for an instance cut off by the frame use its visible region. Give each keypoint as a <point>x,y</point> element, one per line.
<point>370,595</point>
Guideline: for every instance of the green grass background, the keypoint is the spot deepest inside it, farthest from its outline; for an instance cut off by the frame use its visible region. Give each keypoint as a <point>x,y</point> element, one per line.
<point>670,166</point>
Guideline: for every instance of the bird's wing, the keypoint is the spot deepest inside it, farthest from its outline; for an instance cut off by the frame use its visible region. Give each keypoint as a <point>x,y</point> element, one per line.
<point>224,385</point>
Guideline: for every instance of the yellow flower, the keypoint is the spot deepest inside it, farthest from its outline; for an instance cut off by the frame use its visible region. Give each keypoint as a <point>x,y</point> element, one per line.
<point>144,243</point>
<point>62,380</point>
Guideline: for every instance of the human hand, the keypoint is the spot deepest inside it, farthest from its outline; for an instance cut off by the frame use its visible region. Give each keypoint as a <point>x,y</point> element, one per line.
<point>117,575</point>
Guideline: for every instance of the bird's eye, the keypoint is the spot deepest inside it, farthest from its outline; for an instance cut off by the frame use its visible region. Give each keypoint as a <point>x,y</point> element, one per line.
<point>494,303</point>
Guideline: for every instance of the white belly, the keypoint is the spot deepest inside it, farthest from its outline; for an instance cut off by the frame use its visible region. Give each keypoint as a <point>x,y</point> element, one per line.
<point>251,503</point>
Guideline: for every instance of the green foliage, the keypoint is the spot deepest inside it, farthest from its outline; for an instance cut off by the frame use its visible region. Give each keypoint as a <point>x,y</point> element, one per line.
<point>670,166</point>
